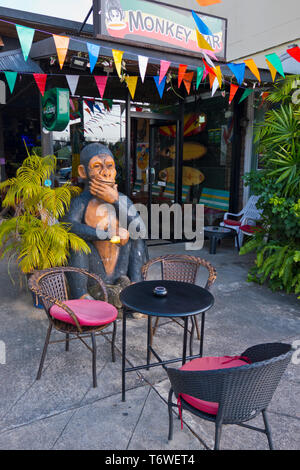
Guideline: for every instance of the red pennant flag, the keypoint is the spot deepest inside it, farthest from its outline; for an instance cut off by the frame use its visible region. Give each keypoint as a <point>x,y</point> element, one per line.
<point>181,71</point>
<point>233,90</point>
<point>294,52</point>
<point>188,77</point>
<point>208,68</point>
<point>101,81</point>
<point>40,79</point>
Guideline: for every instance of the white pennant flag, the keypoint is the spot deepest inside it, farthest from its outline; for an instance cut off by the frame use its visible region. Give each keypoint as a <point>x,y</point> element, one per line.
<point>143,62</point>
<point>215,86</point>
<point>72,82</point>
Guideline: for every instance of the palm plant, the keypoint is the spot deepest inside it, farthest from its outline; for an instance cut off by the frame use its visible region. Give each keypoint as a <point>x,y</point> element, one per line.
<point>35,235</point>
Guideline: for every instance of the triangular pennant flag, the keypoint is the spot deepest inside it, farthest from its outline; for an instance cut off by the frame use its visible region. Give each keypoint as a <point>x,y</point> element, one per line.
<point>143,62</point>
<point>208,69</point>
<point>203,29</point>
<point>61,44</point>
<point>161,85</point>
<point>211,77</point>
<point>181,72</point>
<point>131,83</point>
<point>187,80</point>
<point>90,104</point>
<point>218,73</point>
<point>200,71</point>
<point>202,43</point>
<point>164,67</point>
<point>215,86</point>
<point>272,69</point>
<point>252,66</point>
<point>118,55</point>
<point>101,81</point>
<point>276,62</point>
<point>11,78</point>
<point>40,79</point>
<point>294,52</point>
<point>205,73</point>
<point>205,3</point>
<point>72,82</point>
<point>233,90</point>
<point>72,105</point>
<point>25,37</point>
<point>239,71</point>
<point>264,95</point>
<point>246,93</point>
<point>93,50</point>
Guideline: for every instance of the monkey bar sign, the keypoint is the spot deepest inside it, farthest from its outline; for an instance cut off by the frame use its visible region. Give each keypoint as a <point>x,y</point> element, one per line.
<point>56,109</point>
<point>158,24</point>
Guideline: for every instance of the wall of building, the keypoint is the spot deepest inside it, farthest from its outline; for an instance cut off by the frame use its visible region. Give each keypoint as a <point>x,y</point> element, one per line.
<point>255,27</point>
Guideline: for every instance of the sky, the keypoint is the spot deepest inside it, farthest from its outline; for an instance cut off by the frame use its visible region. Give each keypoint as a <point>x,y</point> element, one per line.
<point>68,9</point>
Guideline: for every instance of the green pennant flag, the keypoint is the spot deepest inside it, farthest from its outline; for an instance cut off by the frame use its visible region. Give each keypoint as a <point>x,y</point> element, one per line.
<point>276,62</point>
<point>11,78</point>
<point>246,93</point>
<point>25,37</point>
<point>200,71</point>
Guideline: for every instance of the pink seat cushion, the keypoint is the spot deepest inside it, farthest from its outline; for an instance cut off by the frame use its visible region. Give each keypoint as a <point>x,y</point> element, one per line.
<point>234,223</point>
<point>88,312</point>
<point>211,363</point>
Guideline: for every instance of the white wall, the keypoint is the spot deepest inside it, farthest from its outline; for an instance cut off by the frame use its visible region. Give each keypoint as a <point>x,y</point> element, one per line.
<point>254,26</point>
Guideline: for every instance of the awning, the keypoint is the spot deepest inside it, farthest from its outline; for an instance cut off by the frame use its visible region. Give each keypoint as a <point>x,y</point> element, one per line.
<point>14,61</point>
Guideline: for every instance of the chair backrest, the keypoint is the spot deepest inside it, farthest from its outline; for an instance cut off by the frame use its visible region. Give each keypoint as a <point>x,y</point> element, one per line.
<point>50,285</point>
<point>215,199</point>
<point>182,268</point>
<point>250,210</point>
<point>241,392</point>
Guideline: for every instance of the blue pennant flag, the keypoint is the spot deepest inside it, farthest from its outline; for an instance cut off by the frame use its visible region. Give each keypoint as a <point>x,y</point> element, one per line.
<point>93,50</point>
<point>161,85</point>
<point>90,104</point>
<point>238,71</point>
<point>201,25</point>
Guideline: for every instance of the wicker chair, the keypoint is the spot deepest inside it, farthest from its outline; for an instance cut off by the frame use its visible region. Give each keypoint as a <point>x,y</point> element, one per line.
<point>182,268</point>
<point>51,286</point>
<point>239,393</point>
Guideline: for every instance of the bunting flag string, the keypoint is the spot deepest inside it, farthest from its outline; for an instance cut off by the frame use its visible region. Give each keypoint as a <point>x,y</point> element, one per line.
<point>211,77</point>
<point>160,86</point>
<point>246,93</point>
<point>215,86</point>
<point>274,60</point>
<point>253,68</point>
<point>238,71</point>
<point>187,80</point>
<point>101,81</point>
<point>218,73</point>
<point>202,27</point>
<point>40,79</point>
<point>164,67</point>
<point>118,56</point>
<point>93,50</point>
<point>181,72</point>
<point>11,78</point>
<point>25,36</point>
<point>233,90</point>
<point>131,83</point>
<point>202,43</point>
<point>200,71</point>
<point>143,62</point>
<point>62,45</point>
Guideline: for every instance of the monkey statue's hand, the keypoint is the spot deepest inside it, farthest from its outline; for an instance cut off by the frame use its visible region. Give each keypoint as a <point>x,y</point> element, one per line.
<point>124,236</point>
<point>104,191</point>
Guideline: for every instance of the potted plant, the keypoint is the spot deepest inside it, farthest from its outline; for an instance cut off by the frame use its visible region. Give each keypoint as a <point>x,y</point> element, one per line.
<point>35,236</point>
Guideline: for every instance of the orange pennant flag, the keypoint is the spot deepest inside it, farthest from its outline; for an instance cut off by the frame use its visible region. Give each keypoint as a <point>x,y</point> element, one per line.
<point>181,72</point>
<point>272,69</point>
<point>252,66</point>
<point>187,80</point>
<point>233,90</point>
<point>62,44</point>
<point>118,55</point>
<point>206,3</point>
<point>211,77</point>
<point>131,83</point>
<point>202,43</point>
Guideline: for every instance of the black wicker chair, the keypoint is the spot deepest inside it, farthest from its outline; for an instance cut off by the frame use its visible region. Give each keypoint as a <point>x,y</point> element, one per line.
<point>241,393</point>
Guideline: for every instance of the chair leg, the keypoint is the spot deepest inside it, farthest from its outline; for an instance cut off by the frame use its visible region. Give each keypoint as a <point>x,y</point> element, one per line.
<point>193,320</point>
<point>113,355</point>
<point>170,437</point>
<point>67,341</point>
<point>94,364</point>
<point>218,436</point>
<point>44,352</point>
<point>155,326</point>
<point>268,430</point>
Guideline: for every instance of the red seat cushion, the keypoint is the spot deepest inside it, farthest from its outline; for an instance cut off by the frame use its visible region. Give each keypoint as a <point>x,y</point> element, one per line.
<point>234,223</point>
<point>88,312</point>
<point>211,363</point>
<point>250,228</point>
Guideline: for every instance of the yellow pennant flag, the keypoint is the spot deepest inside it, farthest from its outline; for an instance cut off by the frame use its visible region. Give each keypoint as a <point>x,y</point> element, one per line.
<point>61,44</point>
<point>272,69</point>
<point>218,75</point>
<point>202,43</point>
<point>252,66</point>
<point>118,55</point>
<point>131,83</point>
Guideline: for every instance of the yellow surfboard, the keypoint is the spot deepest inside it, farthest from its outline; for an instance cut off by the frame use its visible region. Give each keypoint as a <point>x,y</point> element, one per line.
<point>191,151</point>
<point>190,176</point>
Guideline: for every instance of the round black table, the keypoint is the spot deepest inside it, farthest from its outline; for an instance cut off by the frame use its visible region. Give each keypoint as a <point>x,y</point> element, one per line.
<point>183,300</point>
<point>215,233</point>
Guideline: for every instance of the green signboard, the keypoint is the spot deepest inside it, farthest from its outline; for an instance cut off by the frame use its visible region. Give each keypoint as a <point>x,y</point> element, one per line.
<point>158,24</point>
<point>56,109</point>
